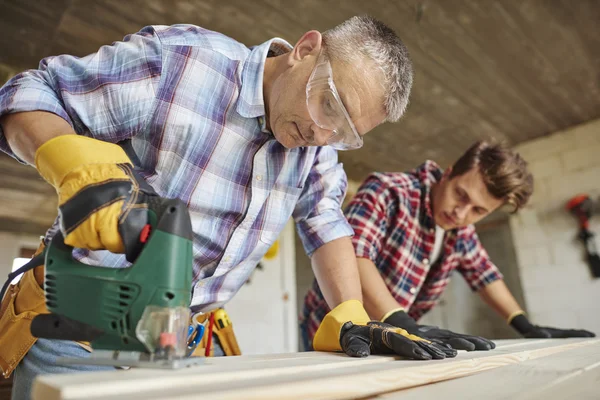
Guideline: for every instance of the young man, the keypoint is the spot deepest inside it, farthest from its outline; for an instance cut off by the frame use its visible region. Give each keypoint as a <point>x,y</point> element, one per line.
<point>413,229</point>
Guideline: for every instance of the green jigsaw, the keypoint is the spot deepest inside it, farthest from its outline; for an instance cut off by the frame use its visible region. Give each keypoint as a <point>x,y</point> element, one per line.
<point>133,316</point>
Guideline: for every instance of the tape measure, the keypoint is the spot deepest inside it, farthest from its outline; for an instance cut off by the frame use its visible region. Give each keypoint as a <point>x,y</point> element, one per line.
<point>273,250</point>
<point>221,318</point>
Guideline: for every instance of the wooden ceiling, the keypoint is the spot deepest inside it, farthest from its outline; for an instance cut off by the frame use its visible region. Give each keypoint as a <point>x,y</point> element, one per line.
<point>512,69</point>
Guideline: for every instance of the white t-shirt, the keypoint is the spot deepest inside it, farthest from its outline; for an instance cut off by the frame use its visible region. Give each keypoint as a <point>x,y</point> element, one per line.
<point>437,246</point>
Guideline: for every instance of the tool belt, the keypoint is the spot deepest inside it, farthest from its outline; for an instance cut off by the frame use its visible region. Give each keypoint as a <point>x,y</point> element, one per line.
<point>21,303</point>
<point>223,330</point>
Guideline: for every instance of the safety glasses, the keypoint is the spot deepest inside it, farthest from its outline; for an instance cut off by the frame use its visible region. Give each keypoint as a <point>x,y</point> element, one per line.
<point>327,110</point>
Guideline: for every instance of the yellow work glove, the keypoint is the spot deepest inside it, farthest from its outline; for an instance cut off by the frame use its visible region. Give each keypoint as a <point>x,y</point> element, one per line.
<point>101,205</point>
<point>347,328</point>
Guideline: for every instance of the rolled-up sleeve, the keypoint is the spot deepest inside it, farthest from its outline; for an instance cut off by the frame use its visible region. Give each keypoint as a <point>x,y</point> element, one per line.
<point>475,265</point>
<point>107,95</point>
<point>367,216</point>
<point>318,213</point>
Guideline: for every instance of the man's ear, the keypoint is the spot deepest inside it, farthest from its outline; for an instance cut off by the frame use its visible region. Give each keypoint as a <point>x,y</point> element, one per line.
<point>309,44</point>
<point>447,172</point>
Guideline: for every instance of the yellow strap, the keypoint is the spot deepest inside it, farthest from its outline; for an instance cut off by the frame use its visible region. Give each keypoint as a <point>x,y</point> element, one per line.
<point>404,333</point>
<point>513,315</point>
<point>387,314</point>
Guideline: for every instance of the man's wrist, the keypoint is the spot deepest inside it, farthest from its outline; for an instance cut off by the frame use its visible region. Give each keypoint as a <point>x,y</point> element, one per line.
<point>521,324</point>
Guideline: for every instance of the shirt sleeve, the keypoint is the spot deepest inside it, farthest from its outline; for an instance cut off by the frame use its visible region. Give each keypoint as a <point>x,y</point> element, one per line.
<point>107,95</point>
<point>475,265</point>
<point>318,213</point>
<point>367,216</point>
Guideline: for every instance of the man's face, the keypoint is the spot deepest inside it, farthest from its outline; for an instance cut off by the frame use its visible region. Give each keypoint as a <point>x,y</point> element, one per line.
<point>462,200</point>
<point>357,86</point>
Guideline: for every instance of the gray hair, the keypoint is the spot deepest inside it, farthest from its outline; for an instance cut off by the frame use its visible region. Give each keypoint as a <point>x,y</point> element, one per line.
<point>367,37</point>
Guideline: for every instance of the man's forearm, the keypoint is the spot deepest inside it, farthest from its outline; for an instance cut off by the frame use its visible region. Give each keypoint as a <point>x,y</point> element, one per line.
<point>497,296</point>
<point>25,132</point>
<point>377,298</point>
<point>334,265</point>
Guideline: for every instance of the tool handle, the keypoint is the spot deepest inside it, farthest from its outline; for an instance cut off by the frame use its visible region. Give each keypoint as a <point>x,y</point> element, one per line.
<point>166,215</point>
<point>211,324</point>
<point>54,326</point>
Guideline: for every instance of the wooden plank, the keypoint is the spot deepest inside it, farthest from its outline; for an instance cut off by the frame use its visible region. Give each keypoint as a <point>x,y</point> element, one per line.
<point>20,205</point>
<point>582,384</point>
<point>566,48</point>
<point>27,28</point>
<point>513,69</point>
<point>23,226</point>
<point>510,70</point>
<point>248,367</point>
<point>566,372</point>
<point>305,375</point>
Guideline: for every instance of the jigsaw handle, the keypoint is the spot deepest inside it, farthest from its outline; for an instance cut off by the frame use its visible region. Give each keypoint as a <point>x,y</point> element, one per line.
<point>167,215</point>
<point>54,326</point>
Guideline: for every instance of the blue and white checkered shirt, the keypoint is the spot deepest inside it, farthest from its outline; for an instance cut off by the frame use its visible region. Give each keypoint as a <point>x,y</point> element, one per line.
<point>191,101</point>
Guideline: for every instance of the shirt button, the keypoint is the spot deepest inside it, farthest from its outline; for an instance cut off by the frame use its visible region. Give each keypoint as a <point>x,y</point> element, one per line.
<point>425,261</point>
<point>259,177</point>
<point>226,258</point>
<point>413,290</point>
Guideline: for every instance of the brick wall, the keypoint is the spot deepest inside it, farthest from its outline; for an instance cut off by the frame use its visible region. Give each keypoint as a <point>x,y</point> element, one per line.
<point>558,287</point>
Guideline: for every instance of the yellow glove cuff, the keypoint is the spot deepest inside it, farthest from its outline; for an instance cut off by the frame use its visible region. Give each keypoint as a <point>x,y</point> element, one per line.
<point>513,315</point>
<point>56,158</point>
<point>327,337</point>
<point>387,314</point>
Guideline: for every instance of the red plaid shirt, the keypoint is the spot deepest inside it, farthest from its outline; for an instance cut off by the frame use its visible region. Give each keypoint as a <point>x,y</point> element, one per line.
<point>394,227</point>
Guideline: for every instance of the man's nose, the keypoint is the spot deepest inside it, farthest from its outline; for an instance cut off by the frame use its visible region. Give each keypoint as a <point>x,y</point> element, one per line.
<point>461,212</point>
<point>320,135</point>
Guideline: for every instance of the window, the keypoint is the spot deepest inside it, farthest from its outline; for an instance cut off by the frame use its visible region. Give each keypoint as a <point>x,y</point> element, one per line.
<point>25,255</point>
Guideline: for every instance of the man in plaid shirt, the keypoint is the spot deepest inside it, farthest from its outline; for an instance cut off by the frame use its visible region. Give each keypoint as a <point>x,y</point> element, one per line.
<point>412,230</point>
<point>247,137</point>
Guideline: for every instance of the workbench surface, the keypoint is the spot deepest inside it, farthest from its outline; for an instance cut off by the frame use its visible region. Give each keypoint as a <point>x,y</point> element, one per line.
<point>516,369</point>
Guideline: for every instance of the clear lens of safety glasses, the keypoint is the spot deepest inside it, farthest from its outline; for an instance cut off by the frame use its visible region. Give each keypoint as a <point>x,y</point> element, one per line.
<point>327,110</point>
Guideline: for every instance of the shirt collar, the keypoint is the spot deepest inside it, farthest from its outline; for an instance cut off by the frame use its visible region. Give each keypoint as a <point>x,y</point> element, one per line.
<point>251,102</point>
<point>428,174</point>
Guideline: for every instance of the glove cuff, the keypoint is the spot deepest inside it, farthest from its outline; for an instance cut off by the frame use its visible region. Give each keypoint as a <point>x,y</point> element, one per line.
<point>387,314</point>
<point>327,337</point>
<point>521,324</point>
<point>62,154</point>
<point>401,319</point>
<point>513,315</point>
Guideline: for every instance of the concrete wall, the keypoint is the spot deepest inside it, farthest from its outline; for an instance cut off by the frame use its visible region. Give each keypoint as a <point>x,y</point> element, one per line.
<point>559,289</point>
